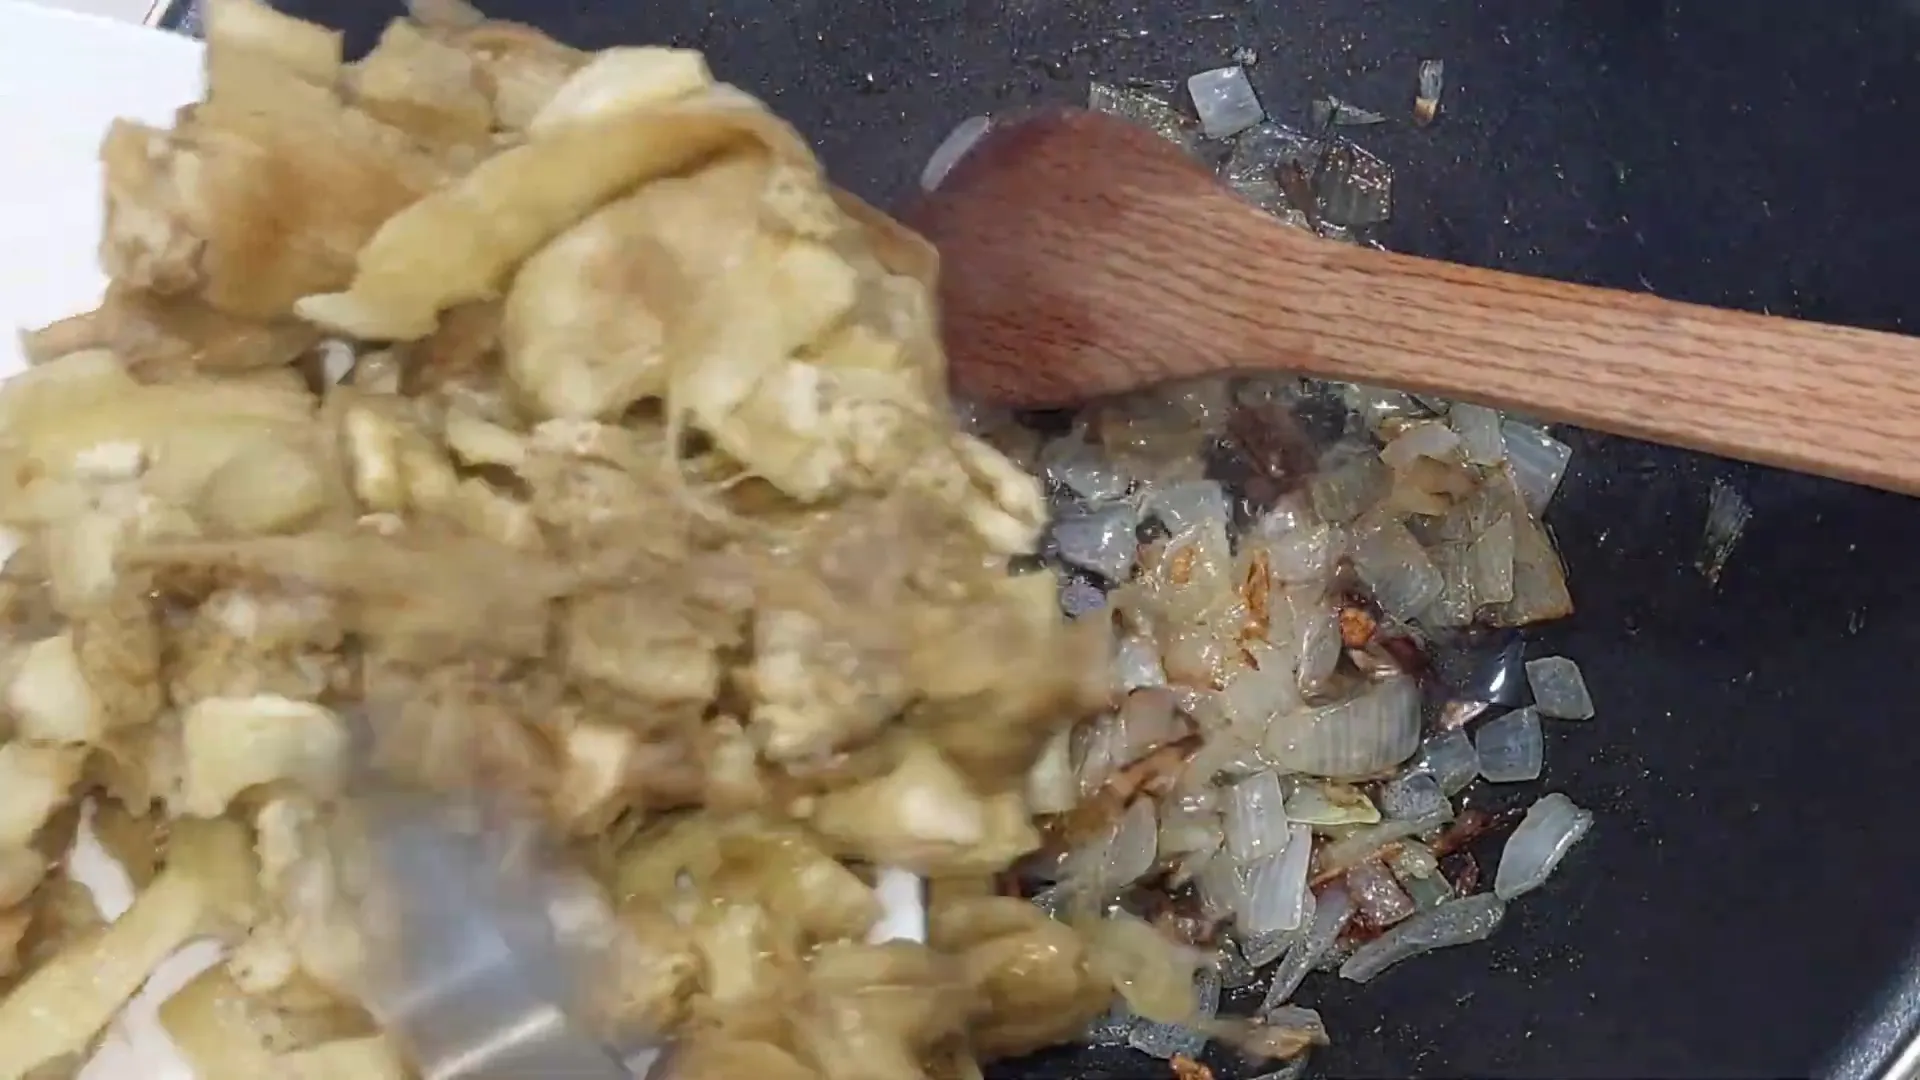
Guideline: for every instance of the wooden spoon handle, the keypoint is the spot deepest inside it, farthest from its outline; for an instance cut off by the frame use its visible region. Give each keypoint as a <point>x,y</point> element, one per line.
<point>1830,400</point>
<point>1823,399</point>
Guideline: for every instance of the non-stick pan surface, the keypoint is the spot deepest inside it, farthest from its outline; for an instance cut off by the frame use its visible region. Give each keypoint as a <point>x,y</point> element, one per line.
<point>1750,888</point>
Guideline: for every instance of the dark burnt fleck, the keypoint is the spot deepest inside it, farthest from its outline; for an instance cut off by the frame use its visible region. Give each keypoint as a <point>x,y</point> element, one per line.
<point>1462,871</point>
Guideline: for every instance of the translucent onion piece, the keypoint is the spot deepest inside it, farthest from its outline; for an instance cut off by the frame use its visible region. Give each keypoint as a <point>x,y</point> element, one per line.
<point>1276,889</point>
<point>1550,829</point>
<point>1491,563</point>
<point>1347,487</point>
<point>1377,896</point>
<point>1448,757</point>
<point>1363,843</point>
<point>1396,568</point>
<point>1456,603</point>
<point>1459,922</point>
<point>1319,647</point>
<point>1559,691</point>
<point>1185,831</point>
<point>1426,439</point>
<point>1413,860</point>
<point>1414,795</point>
<point>1222,885</point>
<point>1224,101</point>
<point>1303,553</point>
<point>1131,852</point>
<point>952,149</point>
<point>1186,508</point>
<point>1427,892</point>
<point>1333,910</point>
<point>1263,949</point>
<point>1512,748</point>
<point>1101,540</point>
<point>1256,818</point>
<point>1539,581</point>
<point>1074,465</point>
<point>1366,735</point>
<point>1231,965</point>
<point>1298,1018</point>
<point>1727,515</point>
<point>1481,438</point>
<point>1326,802</point>
<point>1136,664</point>
<point>1538,461</point>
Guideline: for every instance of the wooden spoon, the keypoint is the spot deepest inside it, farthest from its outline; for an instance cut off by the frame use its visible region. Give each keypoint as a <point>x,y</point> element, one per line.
<point>1083,256</point>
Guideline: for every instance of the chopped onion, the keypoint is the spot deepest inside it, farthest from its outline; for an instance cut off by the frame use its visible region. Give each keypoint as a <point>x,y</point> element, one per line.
<point>1184,830</point>
<point>951,149</point>
<point>1425,439</point>
<point>1511,747</point>
<point>1303,553</point>
<point>1480,434</point>
<point>1348,486</point>
<point>1146,720</point>
<point>1550,829</point>
<point>1318,647</point>
<point>1189,507</point>
<point>1101,540</point>
<point>1559,691</point>
<point>1458,922</point>
<point>1360,737</point>
<point>1326,802</point>
<point>1121,857</point>
<point>1051,785</point>
<point>1412,860</point>
<point>1333,909</point>
<point>1136,663</point>
<point>1455,605</point>
<point>1276,887</point>
<point>1448,757</point>
<point>1222,886</point>
<point>1231,965</point>
<point>1256,818</point>
<point>1378,898</point>
<point>1538,461</point>
<point>1364,843</point>
<point>1076,466</point>
<point>1255,695</point>
<point>1263,949</point>
<point>1414,795</point>
<point>1298,1018</point>
<point>1396,568</point>
<point>1491,563</point>
<point>1539,581</point>
<point>1131,853</point>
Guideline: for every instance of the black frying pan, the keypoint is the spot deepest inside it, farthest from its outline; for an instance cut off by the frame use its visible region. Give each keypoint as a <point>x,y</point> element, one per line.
<point>1746,903</point>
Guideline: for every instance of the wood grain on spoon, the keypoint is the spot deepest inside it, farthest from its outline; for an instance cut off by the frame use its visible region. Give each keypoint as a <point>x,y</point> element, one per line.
<point>1082,256</point>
